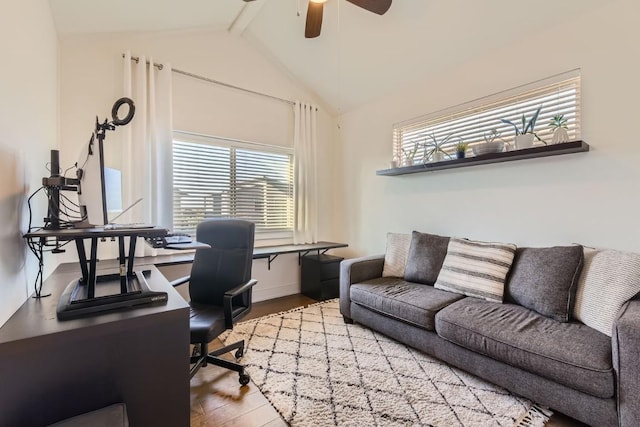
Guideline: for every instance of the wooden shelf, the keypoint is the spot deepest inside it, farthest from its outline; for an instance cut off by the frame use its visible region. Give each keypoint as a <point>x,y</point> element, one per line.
<point>485,159</point>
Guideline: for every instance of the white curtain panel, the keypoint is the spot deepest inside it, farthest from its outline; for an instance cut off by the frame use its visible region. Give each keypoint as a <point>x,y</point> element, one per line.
<point>147,145</point>
<point>305,171</point>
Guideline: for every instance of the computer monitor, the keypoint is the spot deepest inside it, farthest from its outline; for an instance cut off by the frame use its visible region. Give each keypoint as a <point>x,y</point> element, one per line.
<point>113,191</point>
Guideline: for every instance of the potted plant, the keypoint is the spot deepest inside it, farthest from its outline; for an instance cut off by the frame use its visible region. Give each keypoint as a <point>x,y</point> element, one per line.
<point>559,125</point>
<point>461,149</point>
<point>408,155</point>
<point>525,134</point>
<point>435,149</point>
<point>490,144</point>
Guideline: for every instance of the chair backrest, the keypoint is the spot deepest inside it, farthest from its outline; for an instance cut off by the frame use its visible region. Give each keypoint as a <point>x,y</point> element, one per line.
<point>227,264</point>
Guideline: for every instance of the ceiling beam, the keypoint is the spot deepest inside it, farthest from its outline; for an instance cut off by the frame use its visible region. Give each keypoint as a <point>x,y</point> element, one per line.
<point>249,11</point>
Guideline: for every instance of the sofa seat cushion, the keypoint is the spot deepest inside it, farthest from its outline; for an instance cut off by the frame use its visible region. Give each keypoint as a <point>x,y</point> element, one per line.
<point>568,353</point>
<point>408,302</point>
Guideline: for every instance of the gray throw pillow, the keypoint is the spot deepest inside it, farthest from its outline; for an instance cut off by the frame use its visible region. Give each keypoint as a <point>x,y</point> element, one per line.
<point>395,257</point>
<point>609,279</point>
<point>426,255</point>
<point>545,280</point>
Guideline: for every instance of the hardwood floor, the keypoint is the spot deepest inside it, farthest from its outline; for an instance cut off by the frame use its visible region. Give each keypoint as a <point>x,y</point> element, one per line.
<point>217,399</point>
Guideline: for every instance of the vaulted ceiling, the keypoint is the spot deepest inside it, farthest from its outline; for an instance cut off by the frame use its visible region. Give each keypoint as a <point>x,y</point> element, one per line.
<point>359,56</point>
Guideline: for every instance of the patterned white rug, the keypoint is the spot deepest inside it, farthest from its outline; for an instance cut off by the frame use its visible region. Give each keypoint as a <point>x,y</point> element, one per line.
<point>318,371</point>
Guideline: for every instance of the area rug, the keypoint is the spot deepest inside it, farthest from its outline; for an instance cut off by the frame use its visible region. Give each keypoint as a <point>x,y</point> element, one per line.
<point>318,371</point>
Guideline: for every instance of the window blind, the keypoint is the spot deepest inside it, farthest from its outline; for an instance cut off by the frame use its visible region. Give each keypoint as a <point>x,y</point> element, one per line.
<point>470,122</point>
<point>218,178</point>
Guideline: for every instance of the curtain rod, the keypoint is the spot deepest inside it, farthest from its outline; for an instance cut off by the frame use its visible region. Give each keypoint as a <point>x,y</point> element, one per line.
<point>206,79</point>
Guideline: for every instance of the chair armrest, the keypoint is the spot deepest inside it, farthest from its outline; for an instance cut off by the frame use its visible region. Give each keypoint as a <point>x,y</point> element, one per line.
<point>356,270</point>
<point>241,289</point>
<point>626,347</point>
<point>245,290</point>
<point>180,281</point>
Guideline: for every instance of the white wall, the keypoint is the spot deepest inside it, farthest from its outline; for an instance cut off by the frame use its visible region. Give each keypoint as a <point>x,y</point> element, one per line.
<point>28,130</point>
<point>589,198</point>
<point>91,70</point>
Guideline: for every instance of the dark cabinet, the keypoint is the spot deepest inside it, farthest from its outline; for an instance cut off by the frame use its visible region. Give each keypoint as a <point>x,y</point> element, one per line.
<point>53,369</point>
<point>320,276</point>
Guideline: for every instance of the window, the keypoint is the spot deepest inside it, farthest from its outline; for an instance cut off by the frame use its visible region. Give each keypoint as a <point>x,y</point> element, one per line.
<point>221,178</point>
<point>473,120</point>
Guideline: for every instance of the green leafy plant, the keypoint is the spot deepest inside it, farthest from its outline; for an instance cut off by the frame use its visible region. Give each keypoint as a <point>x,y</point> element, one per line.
<point>461,147</point>
<point>410,154</point>
<point>558,122</point>
<point>437,146</point>
<point>491,135</point>
<point>528,126</point>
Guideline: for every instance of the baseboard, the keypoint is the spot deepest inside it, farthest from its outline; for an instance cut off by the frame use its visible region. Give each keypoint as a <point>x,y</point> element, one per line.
<point>275,291</point>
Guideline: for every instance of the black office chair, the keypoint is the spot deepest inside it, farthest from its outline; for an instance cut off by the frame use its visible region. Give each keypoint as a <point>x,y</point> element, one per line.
<point>220,287</point>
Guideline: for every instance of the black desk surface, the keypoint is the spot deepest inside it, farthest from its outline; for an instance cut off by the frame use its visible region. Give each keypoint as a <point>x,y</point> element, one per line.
<point>37,317</point>
<point>87,233</point>
<point>187,257</point>
<point>266,251</point>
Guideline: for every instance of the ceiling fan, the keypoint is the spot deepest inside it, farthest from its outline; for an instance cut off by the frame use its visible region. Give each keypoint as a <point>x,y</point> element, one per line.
<point>315,9</point>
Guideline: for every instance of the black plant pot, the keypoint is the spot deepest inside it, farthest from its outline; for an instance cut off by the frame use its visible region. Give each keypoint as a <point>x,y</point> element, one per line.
<point>460,154</point>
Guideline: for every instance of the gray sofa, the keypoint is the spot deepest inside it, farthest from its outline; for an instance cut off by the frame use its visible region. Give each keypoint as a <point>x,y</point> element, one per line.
<point>566,366</point>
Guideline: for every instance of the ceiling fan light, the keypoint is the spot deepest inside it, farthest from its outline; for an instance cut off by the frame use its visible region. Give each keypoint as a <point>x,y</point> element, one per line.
<point>318,1</point>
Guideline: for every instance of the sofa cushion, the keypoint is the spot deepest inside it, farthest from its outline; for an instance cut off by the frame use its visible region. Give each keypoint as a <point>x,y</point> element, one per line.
<point>545,280</point>
<point>476,269</point>
<point>395,256</point>
<point>426,255</point>
<point>609,279</point>
<point>568,353</point>
<point>411,303</point>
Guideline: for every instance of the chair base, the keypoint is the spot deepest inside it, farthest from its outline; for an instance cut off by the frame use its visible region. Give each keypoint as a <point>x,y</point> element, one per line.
<point>205,358</point>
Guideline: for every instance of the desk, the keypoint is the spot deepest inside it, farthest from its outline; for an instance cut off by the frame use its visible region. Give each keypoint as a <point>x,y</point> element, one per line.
<point>52,369</point>
<point>272,252</point>
<point>260,252</point>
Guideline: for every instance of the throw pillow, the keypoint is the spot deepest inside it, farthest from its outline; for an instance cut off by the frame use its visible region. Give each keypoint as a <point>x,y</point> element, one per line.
<point>609,279</point>
<point>545,280</point>
<point>426,255</point>
<point>395,257</point>
<point>476,269</point>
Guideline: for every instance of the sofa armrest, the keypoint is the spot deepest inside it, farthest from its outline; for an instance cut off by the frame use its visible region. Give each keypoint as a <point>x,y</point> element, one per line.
<point>356,270</point>
<point>626,347</point>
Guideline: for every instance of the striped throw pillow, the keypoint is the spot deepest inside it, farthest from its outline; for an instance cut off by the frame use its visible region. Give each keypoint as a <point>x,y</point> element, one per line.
<point>609,279</point>
<point>476,269</point>
<point>395,257</point>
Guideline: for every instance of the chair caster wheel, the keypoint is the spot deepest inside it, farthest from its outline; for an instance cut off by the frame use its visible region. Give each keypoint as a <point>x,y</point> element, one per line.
<point>239,353</point>
<point>244,378</point>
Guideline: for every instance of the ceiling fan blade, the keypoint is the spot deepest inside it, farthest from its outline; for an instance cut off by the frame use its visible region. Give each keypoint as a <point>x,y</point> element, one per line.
<point>314,20</point>
<point>376,6</point>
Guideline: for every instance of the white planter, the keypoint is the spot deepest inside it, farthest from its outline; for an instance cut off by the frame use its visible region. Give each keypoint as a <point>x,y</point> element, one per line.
<point>524,141</point>
<point>487,147</point>
<point>438,156</point>
<point>560,135</point>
